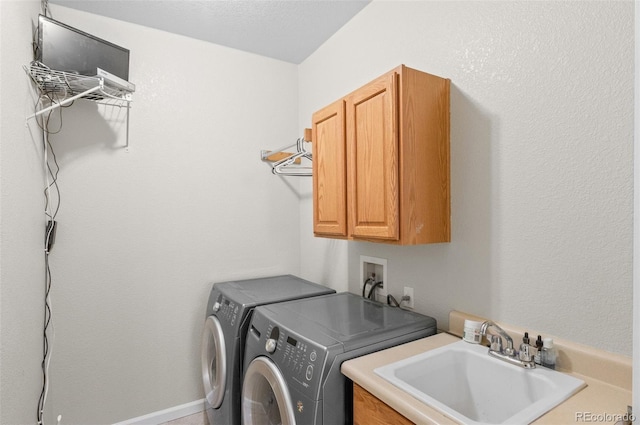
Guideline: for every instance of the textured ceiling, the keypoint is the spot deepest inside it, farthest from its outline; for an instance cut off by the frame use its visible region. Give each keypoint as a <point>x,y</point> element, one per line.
<point>288,30</point>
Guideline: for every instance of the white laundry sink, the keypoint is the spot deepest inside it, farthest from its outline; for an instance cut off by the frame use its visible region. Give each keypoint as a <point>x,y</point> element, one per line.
<point>464,382</point>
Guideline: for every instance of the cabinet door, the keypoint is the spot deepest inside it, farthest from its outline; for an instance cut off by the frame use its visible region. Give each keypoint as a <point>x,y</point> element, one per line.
<point>372,143</point>
<point>329,171</point>
<point>369,410</point>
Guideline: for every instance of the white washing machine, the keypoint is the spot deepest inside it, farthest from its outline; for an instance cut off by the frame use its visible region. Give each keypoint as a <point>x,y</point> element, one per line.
<point>294,351</point>
<point>227,319</point>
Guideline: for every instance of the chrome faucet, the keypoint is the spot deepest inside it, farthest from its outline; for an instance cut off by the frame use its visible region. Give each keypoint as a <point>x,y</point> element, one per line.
<point>507,353</point>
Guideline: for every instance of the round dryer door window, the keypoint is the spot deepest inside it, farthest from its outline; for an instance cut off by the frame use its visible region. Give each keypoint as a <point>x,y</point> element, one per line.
<point>265,396</point>
<point>214,367</point>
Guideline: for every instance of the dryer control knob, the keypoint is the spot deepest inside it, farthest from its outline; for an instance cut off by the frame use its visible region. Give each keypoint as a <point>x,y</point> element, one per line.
<point>309,373</point>
<point>271,345</point>
<point>216,307</point>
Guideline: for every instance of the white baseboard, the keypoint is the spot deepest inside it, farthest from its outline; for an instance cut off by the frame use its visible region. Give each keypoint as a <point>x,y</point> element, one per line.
<point>167,415</point>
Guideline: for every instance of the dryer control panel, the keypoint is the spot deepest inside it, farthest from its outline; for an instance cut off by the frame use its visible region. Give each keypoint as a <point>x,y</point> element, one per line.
<point>300,361</point>
<point>224,309</point>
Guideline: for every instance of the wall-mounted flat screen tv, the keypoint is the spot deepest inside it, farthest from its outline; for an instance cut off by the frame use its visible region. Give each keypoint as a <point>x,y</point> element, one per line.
<point>64,48</point>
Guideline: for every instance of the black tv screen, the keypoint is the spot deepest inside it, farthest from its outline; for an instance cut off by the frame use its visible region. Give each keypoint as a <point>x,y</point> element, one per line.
<point>64,48</point>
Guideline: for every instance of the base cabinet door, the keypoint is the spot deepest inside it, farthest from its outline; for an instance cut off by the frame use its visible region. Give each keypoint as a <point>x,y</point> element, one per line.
<point>369,410</point>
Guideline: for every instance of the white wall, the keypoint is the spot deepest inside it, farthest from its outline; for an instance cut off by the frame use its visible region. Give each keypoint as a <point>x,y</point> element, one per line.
<point>541,159</point>
<point>542,101</point>
<point>636,222</point>
<point>21,224</point>
<point>141,234</point>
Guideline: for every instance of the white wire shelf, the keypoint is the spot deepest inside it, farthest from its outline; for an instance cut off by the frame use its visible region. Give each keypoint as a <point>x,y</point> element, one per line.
<point>62,88</point>
<point>65,85</point>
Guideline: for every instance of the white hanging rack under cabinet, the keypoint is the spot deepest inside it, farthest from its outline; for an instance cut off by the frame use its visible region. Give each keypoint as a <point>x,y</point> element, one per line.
<point>63,88</point>
<point>288,163</point>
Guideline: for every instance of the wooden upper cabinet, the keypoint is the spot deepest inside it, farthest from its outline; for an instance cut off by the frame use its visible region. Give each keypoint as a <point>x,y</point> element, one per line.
<point>372,172</point>
<point>381,161</point>
<point>329,171</point>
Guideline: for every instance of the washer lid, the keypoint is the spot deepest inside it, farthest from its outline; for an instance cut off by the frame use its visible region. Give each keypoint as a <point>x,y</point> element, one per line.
<point>347,318</point>
<point>266,290</point>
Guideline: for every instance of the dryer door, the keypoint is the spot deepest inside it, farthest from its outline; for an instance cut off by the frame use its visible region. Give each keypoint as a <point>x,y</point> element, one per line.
<point>265,396</point>
<point>214,365</point>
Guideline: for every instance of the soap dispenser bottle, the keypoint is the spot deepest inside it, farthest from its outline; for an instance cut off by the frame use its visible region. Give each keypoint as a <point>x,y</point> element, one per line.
<point>538,355</point>
<point>525,348</point>
<point>549,354</point>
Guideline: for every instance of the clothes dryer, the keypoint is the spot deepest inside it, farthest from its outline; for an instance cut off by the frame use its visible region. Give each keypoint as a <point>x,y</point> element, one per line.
<point>294,351</point>
<point>227,319</point>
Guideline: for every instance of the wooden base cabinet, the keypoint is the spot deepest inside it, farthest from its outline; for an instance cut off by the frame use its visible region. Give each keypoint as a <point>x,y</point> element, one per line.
<point>381,161</point>
<point>369,410</point>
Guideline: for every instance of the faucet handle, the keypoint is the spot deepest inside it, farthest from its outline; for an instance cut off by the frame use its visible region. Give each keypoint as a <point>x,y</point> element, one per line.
<point>496,343</point>
<point>524,354</point>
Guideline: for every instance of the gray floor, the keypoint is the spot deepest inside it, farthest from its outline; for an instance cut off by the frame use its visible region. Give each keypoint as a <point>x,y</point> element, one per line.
<point>196,419</point>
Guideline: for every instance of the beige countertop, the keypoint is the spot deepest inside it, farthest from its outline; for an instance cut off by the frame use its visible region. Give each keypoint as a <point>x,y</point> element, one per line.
<point>598,398</point>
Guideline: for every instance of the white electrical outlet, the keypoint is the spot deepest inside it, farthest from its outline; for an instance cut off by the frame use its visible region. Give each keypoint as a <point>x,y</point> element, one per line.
<point>376,268</point>
<point>408,292</point>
